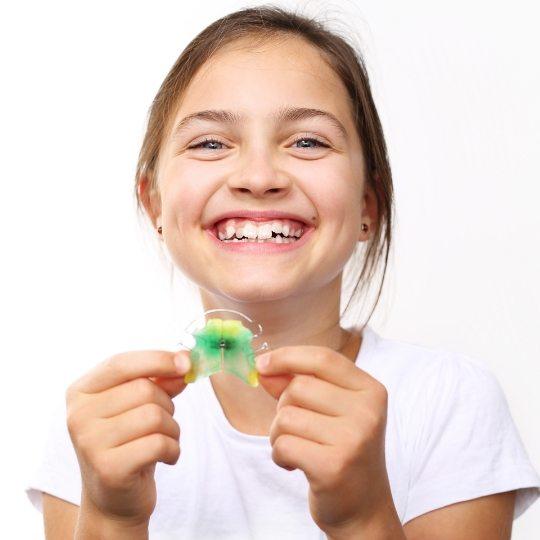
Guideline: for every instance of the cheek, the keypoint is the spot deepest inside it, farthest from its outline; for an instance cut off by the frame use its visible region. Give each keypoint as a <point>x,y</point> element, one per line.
<point>339,204</point>
<point>185,192</point>
<point>338,194</point>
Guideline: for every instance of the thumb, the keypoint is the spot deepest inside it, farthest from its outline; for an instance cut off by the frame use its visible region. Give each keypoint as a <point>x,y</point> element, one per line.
<point>275,384</point>
<point>175,385</point>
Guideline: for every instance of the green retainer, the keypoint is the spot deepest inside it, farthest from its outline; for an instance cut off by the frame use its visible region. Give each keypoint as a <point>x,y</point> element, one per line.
<point>223,345</point>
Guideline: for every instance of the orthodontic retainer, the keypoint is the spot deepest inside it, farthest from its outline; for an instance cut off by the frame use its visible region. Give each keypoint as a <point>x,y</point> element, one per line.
<point>223,344</point>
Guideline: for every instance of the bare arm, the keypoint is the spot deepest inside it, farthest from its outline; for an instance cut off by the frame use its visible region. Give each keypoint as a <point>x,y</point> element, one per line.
<point>65,520</point>
<point>484,518</point>
<point>59,517</point>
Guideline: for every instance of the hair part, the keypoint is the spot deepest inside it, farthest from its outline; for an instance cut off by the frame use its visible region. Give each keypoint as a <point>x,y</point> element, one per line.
<point>262,24</point>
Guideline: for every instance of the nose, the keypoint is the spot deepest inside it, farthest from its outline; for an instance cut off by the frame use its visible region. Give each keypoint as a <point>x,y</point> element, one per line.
<point>258,175</point>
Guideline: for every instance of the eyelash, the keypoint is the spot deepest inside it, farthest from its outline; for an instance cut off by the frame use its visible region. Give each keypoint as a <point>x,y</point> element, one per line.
<point>314,139</point>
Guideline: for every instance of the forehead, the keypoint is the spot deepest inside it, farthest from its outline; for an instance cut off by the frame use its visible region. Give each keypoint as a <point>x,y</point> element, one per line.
<point>259,79</point>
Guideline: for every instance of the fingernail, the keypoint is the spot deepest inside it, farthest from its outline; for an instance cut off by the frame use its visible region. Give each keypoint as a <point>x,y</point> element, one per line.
<point>181,362</point>
<point>262,361</point>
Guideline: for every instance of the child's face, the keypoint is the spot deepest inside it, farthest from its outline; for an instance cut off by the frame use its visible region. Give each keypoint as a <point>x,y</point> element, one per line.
<point>257,165</point>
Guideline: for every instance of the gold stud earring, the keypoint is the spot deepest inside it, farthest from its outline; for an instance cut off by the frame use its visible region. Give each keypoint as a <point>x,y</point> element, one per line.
<point>365,227</point>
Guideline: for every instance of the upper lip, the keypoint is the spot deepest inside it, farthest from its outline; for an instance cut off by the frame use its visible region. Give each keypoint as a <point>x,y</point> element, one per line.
<point>259,215</point>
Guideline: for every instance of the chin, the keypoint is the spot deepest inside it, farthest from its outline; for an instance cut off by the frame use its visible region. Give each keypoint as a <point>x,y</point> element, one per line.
<point>253,291</point>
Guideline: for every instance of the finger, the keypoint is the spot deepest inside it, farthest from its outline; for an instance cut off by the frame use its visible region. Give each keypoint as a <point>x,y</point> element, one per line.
<point>170,385</point>
<point>307,424</point>
<point>131,365</point>
<point>308,392</point>
<point>136,423</point>
<point>130,395</point>
<point>321,362</point>
<point>128,459</point>
<point>292,452</point>
<point>274,385</point>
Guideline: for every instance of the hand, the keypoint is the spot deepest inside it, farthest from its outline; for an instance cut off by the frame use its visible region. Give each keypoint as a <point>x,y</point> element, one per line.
<point>119,417</point>
<point>330,423</point>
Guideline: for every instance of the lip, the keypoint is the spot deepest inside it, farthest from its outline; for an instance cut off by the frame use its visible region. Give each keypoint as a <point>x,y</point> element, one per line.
<point>258,215</point>
<point>259,247</point>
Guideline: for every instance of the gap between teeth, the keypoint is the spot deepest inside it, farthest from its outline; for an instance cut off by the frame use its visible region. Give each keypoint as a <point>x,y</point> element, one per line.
<point>230,235</point>
<point>272,240</point>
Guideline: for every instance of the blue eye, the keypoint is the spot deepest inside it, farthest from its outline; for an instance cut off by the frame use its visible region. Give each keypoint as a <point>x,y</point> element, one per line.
<point>215,141</point>
<point>206,141</point>
<point>312,139</point>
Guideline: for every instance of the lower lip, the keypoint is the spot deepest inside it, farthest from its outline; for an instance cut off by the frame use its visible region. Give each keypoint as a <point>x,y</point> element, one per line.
<point>260,247</point>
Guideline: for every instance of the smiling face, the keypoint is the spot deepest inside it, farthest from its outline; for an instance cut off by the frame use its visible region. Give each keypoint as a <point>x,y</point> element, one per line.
<point>261,162</point>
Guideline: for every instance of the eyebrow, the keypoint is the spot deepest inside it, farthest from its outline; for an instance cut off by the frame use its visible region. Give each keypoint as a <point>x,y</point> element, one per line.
<point>284,114</point>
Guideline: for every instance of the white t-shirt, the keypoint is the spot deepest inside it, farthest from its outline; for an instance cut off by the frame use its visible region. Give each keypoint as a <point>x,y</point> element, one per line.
<point>450,437</point>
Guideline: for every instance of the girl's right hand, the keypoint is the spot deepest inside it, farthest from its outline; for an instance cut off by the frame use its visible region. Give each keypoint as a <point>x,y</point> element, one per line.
<point>120,420</point>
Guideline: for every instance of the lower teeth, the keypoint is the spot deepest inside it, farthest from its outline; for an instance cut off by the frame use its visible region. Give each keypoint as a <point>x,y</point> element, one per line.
<point>266,241</point>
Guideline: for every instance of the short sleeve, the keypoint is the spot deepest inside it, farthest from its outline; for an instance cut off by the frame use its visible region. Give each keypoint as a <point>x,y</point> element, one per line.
<point>57,471</point>
<point>466,444</point>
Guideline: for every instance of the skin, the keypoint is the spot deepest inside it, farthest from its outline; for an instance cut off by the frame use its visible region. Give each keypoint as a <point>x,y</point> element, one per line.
<point>323,414</point>
<point>259,166</point>
<point>295,296</point>
<point>120,421</point>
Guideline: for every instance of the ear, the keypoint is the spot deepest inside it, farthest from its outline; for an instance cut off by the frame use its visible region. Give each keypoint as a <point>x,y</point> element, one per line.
<point>370,213</point>
<point>151,200</point>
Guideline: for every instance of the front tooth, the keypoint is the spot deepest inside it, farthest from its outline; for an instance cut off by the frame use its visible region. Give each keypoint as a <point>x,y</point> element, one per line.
<point>250,230</point>
<point>277,227</point>
<point>285,230</point>
<point>239,232</point>
<point>264,231</point>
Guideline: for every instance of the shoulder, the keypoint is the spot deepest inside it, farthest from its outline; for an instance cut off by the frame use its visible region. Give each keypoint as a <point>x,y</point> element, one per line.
<point>428,373</point>
<point>400,354</point>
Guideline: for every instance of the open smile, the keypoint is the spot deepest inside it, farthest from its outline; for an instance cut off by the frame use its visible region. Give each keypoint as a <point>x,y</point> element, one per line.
<point>254,245</point>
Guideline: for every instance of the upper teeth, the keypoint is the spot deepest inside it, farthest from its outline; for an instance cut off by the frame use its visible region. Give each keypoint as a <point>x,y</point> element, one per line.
<point>260,230</point>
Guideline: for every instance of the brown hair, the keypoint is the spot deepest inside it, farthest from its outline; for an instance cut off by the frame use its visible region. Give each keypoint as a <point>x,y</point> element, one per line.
<point>273,22</point>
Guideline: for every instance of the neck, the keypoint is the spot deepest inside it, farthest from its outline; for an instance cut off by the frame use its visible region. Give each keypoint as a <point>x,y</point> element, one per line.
<point>313,319</point>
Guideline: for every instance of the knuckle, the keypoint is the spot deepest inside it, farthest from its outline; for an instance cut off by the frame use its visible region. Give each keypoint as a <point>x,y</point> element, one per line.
<point>161,443</point>
<point>286,416</point>
<point>322,356</point>
<point>298,385</point>
<point>113,363</point>
<point>281,446</point>
<point>154,414</point>
<point>80,435</point>
<point>176,429</point>
<point>72,421</point>
<point>109,362</point>
<point>175,452</point>
<point>72,394</point>
<point>145,388</point>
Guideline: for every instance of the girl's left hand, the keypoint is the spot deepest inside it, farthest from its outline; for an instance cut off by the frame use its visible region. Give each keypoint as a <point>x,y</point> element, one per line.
<point>330,422</point>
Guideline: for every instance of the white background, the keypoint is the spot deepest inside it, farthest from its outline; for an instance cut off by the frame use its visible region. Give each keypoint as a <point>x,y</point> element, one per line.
<point>456,85</point>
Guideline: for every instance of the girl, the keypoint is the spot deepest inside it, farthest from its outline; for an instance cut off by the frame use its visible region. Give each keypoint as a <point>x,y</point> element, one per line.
<point>267,118</point>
